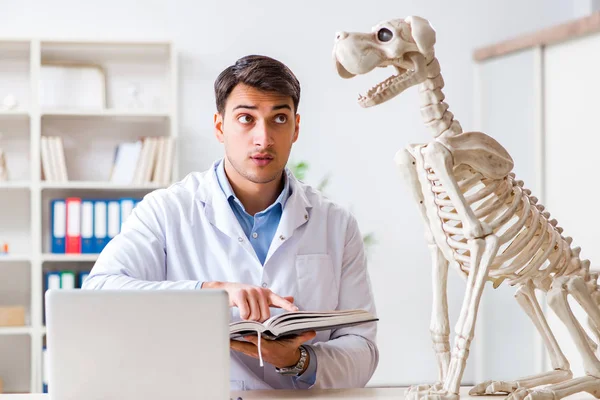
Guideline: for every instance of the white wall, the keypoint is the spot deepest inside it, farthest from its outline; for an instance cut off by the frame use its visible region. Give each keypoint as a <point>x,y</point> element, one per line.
<point>356,146</point>
<point>507,95</point>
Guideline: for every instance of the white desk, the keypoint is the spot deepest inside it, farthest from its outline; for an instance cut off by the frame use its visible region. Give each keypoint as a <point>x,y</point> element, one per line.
<point>348,394</point>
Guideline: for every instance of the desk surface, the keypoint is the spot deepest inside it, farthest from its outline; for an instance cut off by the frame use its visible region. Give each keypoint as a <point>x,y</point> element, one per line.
<point>348,394</point>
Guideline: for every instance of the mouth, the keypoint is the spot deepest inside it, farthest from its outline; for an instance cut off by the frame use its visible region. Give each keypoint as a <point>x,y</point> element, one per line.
<point>388,88</point>
<point>262,159</point>
<point>410,70</point>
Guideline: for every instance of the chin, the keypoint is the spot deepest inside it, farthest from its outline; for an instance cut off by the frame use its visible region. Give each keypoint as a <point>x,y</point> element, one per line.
<point>263,174</point>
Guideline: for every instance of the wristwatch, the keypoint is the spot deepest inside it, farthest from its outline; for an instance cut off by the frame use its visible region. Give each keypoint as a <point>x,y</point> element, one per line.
<point>296,369</point>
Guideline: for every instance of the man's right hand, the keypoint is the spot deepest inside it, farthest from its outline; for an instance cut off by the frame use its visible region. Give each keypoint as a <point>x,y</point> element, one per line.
<point>253,301</point>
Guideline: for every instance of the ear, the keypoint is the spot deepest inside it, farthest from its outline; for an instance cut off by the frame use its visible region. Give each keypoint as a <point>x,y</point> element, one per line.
<point>423,34</point>
<point>297,131</point>
<point>218,122</point>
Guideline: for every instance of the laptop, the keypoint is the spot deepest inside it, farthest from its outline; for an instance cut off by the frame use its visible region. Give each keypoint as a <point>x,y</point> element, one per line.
<point>138,344</point>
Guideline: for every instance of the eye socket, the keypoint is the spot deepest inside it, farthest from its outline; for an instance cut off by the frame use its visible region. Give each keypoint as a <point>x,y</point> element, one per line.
<point>384,35</point>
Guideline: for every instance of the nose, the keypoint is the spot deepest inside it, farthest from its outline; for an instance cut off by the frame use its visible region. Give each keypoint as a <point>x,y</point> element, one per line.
<point>262,137</point>
<point>341,35</point>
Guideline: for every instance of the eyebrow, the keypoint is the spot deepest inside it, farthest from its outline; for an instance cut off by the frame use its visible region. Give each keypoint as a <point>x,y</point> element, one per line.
<point>277,107</point>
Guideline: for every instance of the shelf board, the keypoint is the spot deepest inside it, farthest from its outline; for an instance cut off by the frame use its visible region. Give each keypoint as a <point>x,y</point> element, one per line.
<point>16,114</point>
<point>14,258</point>
<point>15,185</point>
<point>99,185</point>
<point>100,51</point>
<point>16,330</point>
<point>138,114</point>
<point>69,257</point>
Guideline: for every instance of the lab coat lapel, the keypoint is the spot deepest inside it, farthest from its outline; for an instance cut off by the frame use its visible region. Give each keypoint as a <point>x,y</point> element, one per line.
<point>295,214</point>
<point>219,213</point>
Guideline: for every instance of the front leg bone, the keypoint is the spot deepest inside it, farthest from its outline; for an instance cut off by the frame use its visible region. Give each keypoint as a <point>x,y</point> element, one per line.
<point>440,325</point>
<point>483,252</point>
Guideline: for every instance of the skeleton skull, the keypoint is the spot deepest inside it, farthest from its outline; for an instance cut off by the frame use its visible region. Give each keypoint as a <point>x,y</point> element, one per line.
<point>405,44</point>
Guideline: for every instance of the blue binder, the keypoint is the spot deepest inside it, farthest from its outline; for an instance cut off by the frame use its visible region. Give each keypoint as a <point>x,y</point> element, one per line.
<point>44,370</point>
<point>127,206</point>
<point>100,225</point>
<point>82,277</point>
<point>53,279</point>
<point>113,225</point>
<point>58,225</point>
<point>87,227</point>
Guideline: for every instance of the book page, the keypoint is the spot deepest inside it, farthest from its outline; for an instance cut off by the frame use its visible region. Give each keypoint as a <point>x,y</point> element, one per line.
<point>242,328</point>
<point>300,321</point>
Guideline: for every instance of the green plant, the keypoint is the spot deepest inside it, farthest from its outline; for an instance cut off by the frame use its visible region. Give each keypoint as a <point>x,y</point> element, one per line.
<point>299,170</point>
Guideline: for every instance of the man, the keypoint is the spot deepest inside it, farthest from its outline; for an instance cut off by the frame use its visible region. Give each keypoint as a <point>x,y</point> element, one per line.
<point>249,227</point>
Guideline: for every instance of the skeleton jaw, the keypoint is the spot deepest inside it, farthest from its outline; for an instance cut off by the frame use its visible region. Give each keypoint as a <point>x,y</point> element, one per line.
<point>407,76</point>
<point>392,86</point>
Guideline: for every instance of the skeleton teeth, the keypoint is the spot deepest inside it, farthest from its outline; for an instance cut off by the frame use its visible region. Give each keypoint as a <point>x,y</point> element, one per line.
<point>389,84</point>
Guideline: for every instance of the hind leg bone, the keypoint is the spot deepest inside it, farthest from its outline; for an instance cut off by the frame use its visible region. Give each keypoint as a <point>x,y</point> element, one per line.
<point>557,299</point>
<point>561,369</point>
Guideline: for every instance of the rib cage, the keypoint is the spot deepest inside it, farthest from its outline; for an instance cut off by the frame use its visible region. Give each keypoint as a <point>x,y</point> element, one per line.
<point>531,245</point>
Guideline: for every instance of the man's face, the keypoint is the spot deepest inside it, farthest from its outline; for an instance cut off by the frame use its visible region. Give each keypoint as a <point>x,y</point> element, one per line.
<point>258,129</point>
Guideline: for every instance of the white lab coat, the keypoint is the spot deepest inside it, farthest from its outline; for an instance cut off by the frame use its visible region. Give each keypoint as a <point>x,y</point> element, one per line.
<point>187,233</point>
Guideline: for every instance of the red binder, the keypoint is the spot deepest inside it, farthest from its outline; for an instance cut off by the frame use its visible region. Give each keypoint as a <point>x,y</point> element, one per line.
<point>73,237</point>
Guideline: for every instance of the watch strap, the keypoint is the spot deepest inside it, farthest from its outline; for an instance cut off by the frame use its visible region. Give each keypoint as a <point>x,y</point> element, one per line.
<point>296,369</point>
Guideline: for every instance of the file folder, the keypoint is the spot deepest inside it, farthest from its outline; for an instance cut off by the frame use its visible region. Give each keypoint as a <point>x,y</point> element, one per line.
<point>52,280</point>
<point>127,206</point>
<point>82,277</point>
<point>73,242</point>
<point>67,280</point>
<point>87,227</point>
<point>114,218</point>
<point>100,225</point>
<point>58,226</point>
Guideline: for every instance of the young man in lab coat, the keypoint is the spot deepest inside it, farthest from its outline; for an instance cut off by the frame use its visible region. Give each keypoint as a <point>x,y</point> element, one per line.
<point>249,227</point>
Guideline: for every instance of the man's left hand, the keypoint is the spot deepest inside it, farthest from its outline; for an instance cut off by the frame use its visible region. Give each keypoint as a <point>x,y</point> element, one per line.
<point>280,353</point>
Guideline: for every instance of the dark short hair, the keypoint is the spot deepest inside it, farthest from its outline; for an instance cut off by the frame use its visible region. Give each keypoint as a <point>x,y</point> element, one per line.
<point>261,72</point>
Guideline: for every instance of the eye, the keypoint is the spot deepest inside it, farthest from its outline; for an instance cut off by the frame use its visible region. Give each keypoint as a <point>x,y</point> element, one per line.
<point>281,119</point>
<point>384,35</point>
<point>245,119</point>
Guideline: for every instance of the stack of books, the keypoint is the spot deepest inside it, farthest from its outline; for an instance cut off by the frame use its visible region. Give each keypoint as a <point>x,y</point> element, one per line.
<point>149,160</point>
<point>54,167</point>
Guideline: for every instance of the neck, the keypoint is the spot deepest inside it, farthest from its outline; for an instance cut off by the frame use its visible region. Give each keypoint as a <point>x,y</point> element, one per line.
<point>255,197</point>
<point>434,109</point>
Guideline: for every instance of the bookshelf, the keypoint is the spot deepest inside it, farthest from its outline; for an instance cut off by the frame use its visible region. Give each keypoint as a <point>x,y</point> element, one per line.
<point>89,137</point>
<point>49,257</point>
<point>103,186</point>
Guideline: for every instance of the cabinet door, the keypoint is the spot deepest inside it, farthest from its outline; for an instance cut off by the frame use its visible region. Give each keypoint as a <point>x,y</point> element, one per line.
<point>572,142</point>
<point>571,149</point>
<point>507,109</point>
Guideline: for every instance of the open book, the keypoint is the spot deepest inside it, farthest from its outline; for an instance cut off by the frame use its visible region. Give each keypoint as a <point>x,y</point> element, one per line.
<point>294,323</point>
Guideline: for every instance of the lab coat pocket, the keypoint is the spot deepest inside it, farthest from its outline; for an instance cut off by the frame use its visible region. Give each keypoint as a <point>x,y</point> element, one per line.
<point>317,283</point>
<point>237,385</point>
